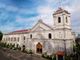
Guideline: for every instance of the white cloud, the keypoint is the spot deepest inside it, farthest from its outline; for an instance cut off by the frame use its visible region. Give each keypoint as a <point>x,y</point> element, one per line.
<point>74,6</point>
<point>68,8</point>
<point>8,28</point>
<point>52,1</point>
<point>8,7</point>
<point>44,10</point>
<point>12,8</point>
<point>76,29</point>
<point>26,11</point>
<point>45,13</point>
<point>30,21</point>
<point>19,19</point>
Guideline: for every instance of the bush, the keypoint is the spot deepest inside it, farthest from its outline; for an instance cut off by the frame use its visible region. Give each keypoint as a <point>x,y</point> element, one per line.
<point>7,46</point>
<point>14,48</point>
<point>50,57</point>
<point>69,57</point>
<point>25,51</point>
<point>28,51</point>
<point>11,46</point>
<point>44,55</point>
<point>19,48</point>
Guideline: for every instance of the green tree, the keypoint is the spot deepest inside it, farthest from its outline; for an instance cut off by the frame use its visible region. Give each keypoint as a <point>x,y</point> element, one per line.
<point>76,49</point>
<point>1,35</point>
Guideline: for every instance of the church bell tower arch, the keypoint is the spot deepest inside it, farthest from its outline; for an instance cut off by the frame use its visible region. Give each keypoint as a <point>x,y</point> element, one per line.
<point>61,19</point>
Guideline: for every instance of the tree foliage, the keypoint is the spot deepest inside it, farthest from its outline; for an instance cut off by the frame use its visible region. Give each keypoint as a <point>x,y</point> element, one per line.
<point>76,49</point>
<point>1,35</point>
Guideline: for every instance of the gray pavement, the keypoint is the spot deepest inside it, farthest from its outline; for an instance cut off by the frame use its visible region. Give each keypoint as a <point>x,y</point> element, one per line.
<point>7,54</point>
<point>3,57</point>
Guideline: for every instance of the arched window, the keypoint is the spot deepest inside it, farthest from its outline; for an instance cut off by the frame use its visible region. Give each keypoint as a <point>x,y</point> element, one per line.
<point>11,39</point>
<point>8,38</point>
<point>23,48</point>
<point>66,19</point>
<point>14,38</point>
<point>31,36</point>
<point>59,19</point>
<point>24,37</point>
<point>60,35</point>
<point>18,39</point>
<point>14,44</point>
<point>49,35</point>
<point>17,45</point>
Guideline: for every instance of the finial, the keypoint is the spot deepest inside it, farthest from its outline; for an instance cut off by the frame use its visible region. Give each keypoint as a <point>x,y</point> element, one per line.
<point>40,20</point>
<point>60,9</point>
<point>59,4</point>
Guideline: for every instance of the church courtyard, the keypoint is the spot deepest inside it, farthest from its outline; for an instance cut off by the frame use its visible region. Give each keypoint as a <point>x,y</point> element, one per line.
<point>8,54</point>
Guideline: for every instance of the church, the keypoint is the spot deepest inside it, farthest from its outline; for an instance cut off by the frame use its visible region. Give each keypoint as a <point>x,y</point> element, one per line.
<point>43,38</point>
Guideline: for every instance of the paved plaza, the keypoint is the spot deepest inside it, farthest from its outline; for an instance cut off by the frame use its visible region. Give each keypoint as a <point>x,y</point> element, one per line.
<point>7,54</point>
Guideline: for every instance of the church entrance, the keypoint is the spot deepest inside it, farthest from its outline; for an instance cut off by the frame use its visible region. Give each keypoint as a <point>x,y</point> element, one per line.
<point>60,55</point>
<point>39,48</point>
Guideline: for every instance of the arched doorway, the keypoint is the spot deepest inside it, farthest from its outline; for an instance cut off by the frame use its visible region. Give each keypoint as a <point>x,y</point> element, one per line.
<point>60,55</point>
<point>23,48</point>
<point>39,48</point>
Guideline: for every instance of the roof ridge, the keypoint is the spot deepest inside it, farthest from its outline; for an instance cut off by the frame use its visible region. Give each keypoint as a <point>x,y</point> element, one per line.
<point>60,10</point>
<point>20,31</point>
<point>47,25</point>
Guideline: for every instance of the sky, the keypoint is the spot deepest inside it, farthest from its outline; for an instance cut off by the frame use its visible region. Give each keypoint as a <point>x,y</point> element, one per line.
<point>24,14</point>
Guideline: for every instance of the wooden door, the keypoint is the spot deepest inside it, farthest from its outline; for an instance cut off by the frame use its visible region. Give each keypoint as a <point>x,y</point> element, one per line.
<point>39,48</point>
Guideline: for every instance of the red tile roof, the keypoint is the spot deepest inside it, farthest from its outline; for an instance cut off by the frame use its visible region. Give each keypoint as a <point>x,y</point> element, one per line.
<point>20,32</point>
<point>60,10</point>
<point>60,53</point>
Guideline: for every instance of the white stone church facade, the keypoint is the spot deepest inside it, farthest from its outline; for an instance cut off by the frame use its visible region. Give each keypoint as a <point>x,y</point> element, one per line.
<point>43,38</point>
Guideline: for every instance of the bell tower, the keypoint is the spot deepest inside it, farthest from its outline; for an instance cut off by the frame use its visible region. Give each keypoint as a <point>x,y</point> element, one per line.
<point>62,24</point>
<point>62,19</point>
